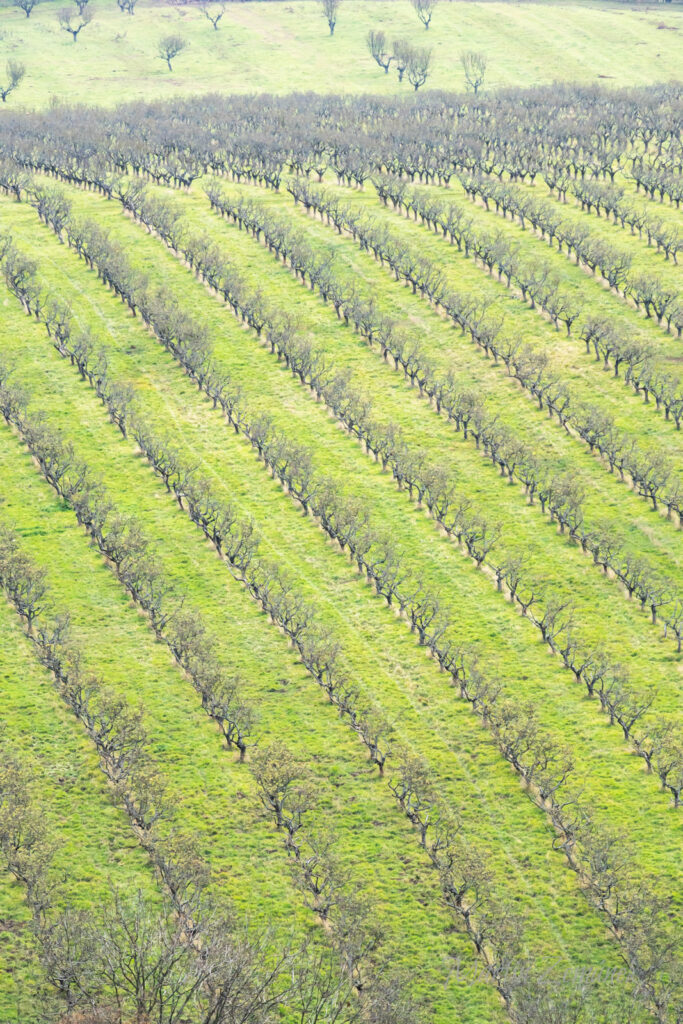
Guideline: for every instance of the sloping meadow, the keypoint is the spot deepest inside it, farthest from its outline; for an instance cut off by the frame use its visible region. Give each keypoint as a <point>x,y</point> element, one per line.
<point>340,536</point>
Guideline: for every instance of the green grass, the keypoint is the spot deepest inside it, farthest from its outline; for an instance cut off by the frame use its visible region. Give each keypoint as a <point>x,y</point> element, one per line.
<point>505,638</point>
<point>217,798</point>
<point>93,843</point>
<point>606,498</point>
<point>600,603</point>
<point>413,693</point>
<point>285,46</point>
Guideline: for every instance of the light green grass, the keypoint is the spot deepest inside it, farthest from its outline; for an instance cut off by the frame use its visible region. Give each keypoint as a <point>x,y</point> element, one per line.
<point>494,624</point>
<point>599,601</point>
<point>285,46</point>
<point>282,47</point>
<point>94,846</point>
<point>216,798</point>
<point>470,771</point>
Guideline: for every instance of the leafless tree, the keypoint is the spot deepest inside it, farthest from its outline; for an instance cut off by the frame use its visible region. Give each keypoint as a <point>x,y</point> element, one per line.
<point>276,770</point>
<point>402,54</point>
<point>419,66</point>
<point>73,22</point>
<point>474,65</point>
<point>169,47</point>
<point>424,10</point>
<point>213,13</point>
<point>15,72</point>
<point>377,45</point>
<point>330,10</point>
<point>25,5</point>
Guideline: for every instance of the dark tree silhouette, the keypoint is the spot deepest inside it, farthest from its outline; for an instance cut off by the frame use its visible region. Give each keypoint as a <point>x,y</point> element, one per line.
<point>15,73</point>
<point>377,45</point>
<point>73,22</point>
<point>474,66</point>
<point>330,9</point>
<point>424,10</point>
<point>169,47</point>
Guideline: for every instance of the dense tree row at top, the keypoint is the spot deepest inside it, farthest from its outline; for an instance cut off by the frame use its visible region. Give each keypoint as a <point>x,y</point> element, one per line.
<point>494,928</point>
<point>580,132</point>
<point>572,138</point>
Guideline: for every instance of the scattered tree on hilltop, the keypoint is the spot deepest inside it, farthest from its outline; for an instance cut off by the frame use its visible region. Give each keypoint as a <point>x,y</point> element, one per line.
<point>418,66</point>
<point>73,22</point>
<point>377,45</point>
<point>330,8</point>
<point>403,51</point>
<point>474,66</point>
<point>15,72</point>
<point>128,6</point>
<point>25,5</point>
<point>213,14</point>
<point>424,10</point>
<point>169,47</point>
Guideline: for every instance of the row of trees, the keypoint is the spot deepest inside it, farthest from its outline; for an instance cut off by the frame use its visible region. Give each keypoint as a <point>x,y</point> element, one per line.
<point>415,61</point>
<point>128,958</point>
<point>386,443</point>
<point>485,919</point>
<point>347,910</point>
<point>612,264</point>
<point>117,732</point>
<point>288,794</point>
<point>594,196</point>
<point>423,8</point>
<point>409,60</point>
<point>480,694</point>
<point>539,285</point>
<point>27,6</point>
<point>561,496</point>
<point>355,409</point>
<point>506,451</point>
<point>652,475</point>
<point>292,465</point>
<point>517,134</point>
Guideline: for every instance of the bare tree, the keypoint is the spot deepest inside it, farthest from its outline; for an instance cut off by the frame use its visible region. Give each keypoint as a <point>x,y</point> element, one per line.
<point>169,47</point>
<point>418,67</point>
<point>25,5</point>
<point>81,5</point>
<point>403,52</point>
<point>73,22</point>
<point>377,45</point>
<point>15,72</point>
<point>424,10</point>
<point>214,14</point>
<point>330,9</point>
<point>474,66</point>
<point>389,1000</point>
<point>319,990</point>
<point>128,6</point>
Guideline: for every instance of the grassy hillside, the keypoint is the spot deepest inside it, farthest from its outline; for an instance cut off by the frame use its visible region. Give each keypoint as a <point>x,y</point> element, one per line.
<point>286,46</point>
<point>496,791</point>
